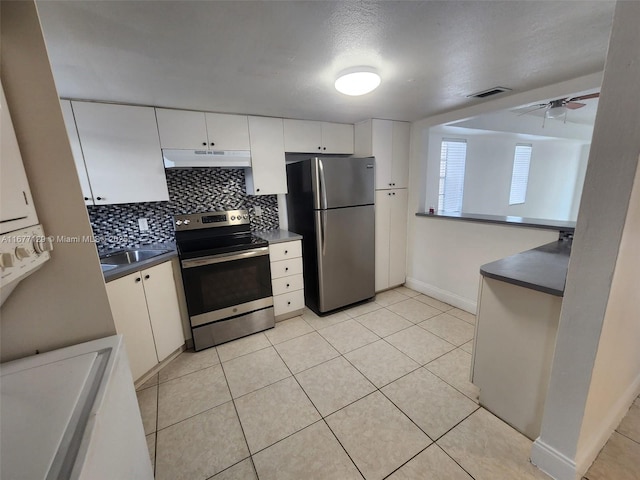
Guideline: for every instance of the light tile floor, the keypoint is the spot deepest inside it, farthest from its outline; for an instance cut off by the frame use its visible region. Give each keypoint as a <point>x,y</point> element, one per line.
<point>377,391</point>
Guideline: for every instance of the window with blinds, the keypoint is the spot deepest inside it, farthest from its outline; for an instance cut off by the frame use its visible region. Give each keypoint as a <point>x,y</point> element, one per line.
<point>520,174</point>
<point>453,156</point>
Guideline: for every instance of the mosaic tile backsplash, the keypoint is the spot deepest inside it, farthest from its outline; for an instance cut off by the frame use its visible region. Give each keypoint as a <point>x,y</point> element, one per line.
<point>190,191</point>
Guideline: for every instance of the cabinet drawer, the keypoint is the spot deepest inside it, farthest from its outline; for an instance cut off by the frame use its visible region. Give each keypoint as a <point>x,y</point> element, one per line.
<point>287,284</point>
<point>288,302</point>
<point>282,251</point>
<point>284,268</point>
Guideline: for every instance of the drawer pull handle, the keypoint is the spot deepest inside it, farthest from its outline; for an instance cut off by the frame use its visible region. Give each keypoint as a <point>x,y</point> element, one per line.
<point>288,303</point>
<point>138,279</point>
<point>287,285</point>
<point>286,269</point>
<point>286,251</point>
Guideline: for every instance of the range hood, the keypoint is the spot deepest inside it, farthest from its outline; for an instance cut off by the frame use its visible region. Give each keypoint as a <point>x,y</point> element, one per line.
<point>174,158</point>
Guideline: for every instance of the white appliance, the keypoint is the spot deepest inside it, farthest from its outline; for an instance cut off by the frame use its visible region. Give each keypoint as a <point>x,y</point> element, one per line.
<point>177,158</point>
<point>72,413</point>
<point>23,246</point>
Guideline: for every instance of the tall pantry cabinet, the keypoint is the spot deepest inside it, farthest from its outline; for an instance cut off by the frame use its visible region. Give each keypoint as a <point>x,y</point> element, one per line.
<point>388,142</point>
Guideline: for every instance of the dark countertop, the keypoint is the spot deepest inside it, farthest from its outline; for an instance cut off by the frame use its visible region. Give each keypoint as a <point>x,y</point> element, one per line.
<point>509,220</point>
<point>123,270</point>
<point>278,236</point>
<point>543,268</point>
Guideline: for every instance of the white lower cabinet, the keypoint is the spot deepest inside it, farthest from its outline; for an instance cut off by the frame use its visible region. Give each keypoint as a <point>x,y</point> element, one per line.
<point>391,238</point>
<point>146,312</point>
<point>287,281</point>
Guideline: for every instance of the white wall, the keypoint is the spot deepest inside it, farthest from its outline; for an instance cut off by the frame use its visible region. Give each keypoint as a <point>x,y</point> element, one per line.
<point>618,350</point>
<point>425,263</point>
<point>588,347</point>
<point>65,302</point>
<point>554,175</point>
<point>447,266</point>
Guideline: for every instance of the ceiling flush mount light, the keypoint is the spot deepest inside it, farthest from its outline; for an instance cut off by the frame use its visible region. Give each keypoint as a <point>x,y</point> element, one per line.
<point>357,81</point>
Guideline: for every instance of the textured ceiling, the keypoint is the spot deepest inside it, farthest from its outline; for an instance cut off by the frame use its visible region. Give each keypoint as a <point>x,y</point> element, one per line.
<point>280,58</point>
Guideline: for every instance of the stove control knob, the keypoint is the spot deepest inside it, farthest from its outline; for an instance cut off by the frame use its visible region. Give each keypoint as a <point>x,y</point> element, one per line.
<point>233,217</point>
<point>178,222</point>
<point>22,252</point>
<point>187,221</point>
<point>6,260</point>
<point>42,245</point>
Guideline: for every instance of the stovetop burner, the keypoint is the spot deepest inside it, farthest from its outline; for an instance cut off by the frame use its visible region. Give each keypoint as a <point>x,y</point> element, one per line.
<point>212,233</point>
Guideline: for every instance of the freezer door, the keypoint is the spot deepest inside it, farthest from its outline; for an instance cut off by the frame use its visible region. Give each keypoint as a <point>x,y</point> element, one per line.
<point>346,256</point>
<point>342,182</point>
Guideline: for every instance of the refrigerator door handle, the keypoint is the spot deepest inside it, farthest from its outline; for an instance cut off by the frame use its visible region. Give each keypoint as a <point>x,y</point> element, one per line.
<point>320,239</point>
<point>321,185</point>
<point>323,233</point>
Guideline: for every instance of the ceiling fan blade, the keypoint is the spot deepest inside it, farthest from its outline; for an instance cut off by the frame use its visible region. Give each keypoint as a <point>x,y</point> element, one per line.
<point>574,105</point>
<point>584,97</point>
<point>533,109</point>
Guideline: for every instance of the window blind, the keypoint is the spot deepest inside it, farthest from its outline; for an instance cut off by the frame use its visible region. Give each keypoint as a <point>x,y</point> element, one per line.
<point>520,174</point>
<point>453,156</point>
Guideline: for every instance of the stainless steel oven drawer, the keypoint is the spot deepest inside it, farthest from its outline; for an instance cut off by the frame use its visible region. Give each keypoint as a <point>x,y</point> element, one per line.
<point>222,331</point>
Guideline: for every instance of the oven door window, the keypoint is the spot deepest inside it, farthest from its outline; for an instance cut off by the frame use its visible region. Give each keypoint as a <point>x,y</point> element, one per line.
<point>220,285</point>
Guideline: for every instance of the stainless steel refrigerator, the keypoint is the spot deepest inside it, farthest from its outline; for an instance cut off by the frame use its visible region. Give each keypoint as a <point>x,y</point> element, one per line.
<point>331,204</point>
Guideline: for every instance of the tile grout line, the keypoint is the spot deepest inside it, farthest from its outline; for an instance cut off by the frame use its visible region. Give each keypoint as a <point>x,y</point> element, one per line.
<point>340,354</point>
<point>155,434</point>
<point>235,408</point>
<point>447,453</point>
<point>322,417</point>
<point>626,436</point>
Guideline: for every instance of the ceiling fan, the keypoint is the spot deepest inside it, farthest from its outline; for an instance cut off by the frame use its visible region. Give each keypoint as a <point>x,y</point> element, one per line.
<point>559,108</point>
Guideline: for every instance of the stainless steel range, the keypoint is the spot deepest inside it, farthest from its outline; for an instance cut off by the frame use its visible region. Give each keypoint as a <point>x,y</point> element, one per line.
<point>226,276</point>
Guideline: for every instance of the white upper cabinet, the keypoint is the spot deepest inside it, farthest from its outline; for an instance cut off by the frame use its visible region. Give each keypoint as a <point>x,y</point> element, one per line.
<point>76,150</point>
<point>268,173</point>
<point>337,138</point>
<point>187,130</point>
<point>388,141</point>
<point>228,132</point>
<point>121,152</point>
<point>182,129</point>
<point>307,136</point>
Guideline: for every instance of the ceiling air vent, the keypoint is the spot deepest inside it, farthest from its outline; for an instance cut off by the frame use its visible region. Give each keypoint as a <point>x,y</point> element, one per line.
<point>489,92</point>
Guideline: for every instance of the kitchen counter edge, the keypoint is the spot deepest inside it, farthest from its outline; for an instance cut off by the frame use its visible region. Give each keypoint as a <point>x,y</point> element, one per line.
<point>504,220</point>
<point>543,268</point>
<point>278,236</point>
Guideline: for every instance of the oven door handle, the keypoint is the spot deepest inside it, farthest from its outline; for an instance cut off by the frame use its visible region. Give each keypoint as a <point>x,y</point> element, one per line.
<point>224,257</point>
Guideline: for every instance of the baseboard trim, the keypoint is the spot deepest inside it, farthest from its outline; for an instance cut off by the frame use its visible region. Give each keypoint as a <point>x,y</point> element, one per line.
<point>552,462</point>
<point>560,467</point>
<point>610,422</point>
<point>442,295</point>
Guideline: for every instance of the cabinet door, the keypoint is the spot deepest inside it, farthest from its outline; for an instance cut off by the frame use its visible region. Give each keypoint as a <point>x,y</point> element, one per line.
<point>398,237</point>
<point>268,174</point>
<point>70,123</point>
<point>164,311</point>
<point>337,138</point>
<point>383,211</point>
<point>400,154</point>
<point>182,129</point>
<point>227,132</point>
<point>17,209</point>
<point>302,136</point>
<point>122,152</point>
<point>129,309</point>
<point>382,141</point>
